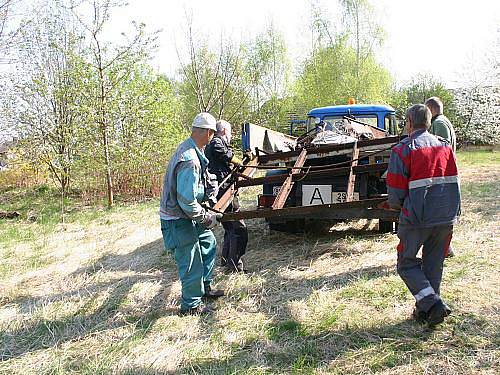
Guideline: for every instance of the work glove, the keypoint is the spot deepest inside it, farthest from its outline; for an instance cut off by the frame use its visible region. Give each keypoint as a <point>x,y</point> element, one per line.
<point>211,220</point>
<point>236,161</point>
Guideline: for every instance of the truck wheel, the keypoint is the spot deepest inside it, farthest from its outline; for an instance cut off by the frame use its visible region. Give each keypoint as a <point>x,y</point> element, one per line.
<point>291,226</point>
<point>385,226</point>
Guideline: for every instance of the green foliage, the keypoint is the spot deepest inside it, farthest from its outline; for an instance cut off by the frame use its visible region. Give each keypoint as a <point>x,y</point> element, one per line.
<point>147,129</point>
<point>418,90</point>
<point>86,109</point>
<point>329,78</point>
<point>245,82</point>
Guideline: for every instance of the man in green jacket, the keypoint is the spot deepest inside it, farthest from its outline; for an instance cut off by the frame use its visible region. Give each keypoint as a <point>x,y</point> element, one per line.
<point>440,125</point>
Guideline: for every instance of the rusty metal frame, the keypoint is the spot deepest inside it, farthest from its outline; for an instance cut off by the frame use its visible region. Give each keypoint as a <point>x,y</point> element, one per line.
<point>366,208</point>
<point>227,197</point>
<point>287,186</point>
<point>310,175</point>
<point>364,146</point>
<point>352,177</point>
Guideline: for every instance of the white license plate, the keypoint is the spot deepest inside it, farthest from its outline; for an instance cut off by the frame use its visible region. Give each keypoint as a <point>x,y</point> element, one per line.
<point>341,196</point>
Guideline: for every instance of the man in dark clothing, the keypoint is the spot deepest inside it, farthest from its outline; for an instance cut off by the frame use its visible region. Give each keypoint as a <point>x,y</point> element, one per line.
<point>422,181</point>
<point>221,156</point>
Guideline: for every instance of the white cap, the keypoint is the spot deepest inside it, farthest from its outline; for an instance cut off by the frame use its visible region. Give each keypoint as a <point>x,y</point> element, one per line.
<point>204,120</point>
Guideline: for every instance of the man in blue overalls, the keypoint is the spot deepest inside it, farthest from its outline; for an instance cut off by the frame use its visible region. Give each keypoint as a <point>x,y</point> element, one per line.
<point>185,224</point>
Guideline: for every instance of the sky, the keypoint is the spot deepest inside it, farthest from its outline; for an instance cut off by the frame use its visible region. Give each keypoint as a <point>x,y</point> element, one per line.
<point>448,39</point>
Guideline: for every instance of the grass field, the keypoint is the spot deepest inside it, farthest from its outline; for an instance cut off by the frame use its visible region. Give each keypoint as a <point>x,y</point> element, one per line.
<point>98,295</point>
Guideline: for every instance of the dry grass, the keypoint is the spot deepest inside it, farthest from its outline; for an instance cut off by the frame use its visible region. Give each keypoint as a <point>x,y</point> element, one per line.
<point>103,297</point>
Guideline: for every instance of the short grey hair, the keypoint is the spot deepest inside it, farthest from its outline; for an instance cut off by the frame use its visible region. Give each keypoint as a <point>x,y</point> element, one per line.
<point>420,116</point>
<point>434,103</point>
<point>223,125</point>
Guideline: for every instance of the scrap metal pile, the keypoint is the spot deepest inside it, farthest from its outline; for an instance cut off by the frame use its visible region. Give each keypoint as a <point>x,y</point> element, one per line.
<point>307,158</point>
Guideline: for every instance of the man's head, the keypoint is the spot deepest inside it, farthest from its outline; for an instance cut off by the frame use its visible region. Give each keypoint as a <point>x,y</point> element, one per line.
<point>418,117</point>
<point>224,130</point>
<point>435,105</point>
<point>203,129</point>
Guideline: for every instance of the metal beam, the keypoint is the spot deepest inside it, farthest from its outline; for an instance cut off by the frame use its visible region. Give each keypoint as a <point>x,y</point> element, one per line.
<point>351,180</point>
<point>330,150</point>
<point>356,209</point>
<point>287,186</point>
<point>227,197</point>
<point>322,173</point>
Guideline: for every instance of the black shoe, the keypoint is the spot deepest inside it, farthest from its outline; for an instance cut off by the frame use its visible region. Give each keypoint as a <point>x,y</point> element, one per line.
<point>213,293</point>
<point>436,314</point>
<point>447,309</point>
<point>419,316</point>
<point>237,270</point>
<point>198,310</point>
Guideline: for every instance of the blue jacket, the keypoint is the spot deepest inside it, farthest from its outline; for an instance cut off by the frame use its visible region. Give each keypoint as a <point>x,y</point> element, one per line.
<point>184,184</point>
<point>422,179</point>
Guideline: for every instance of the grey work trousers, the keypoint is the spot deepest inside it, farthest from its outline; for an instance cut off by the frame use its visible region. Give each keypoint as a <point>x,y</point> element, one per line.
<point>423,275</point>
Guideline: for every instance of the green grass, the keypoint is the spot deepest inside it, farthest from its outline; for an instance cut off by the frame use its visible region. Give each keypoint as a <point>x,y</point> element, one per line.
<point>40,216</point>
<point>478,158</point>
<point>480,190</point>
<point>98,295</point>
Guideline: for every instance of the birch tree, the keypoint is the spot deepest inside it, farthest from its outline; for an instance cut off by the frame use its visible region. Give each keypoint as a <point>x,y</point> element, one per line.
<point>109,66</point>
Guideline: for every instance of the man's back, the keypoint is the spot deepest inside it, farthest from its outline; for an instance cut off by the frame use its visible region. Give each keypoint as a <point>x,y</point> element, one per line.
<point>219,154</point>
<point>441,126</point>
<point>423,179</point>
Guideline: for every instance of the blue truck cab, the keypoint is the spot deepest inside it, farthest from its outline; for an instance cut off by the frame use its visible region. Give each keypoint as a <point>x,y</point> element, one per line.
<point>380,116</point>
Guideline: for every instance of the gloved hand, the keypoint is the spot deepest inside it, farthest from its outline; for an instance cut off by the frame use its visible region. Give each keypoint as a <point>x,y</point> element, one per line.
<point>236,161</point>
<point>211,220</point>
<point>247,155</point>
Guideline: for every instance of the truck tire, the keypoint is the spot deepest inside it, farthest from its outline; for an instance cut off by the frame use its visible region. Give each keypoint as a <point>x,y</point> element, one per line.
<point>290,226</point>
<point>385,226</point>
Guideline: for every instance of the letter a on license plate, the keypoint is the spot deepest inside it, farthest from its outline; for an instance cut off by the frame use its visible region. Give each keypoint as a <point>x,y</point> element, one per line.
<point>313,195</point>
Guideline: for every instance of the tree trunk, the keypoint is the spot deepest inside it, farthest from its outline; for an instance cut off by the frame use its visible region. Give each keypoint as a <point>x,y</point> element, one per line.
<point>104,130</point>
<point>107,162</point>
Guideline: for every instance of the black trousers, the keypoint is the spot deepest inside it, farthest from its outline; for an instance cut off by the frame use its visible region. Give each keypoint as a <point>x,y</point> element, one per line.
<point>235,240</point>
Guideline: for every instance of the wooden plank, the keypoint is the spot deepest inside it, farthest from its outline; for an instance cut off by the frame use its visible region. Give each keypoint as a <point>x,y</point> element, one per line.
<point>365,208</point>
<point>321,173</point>
<point>351,180</point>
<point>227,197</point>
<point>287,186</point>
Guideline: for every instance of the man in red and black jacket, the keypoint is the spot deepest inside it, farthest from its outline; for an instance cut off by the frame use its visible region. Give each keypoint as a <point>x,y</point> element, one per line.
<point>422,181</point>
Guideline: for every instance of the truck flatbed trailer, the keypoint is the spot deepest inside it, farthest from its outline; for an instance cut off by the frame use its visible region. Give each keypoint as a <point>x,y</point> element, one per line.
<point>376,151</point>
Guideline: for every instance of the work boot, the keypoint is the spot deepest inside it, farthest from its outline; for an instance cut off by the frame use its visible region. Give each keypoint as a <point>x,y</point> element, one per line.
<point>212,293</point>
<point>437,313</point>
<point>419,316</point>
<point>201,309</point>
<point>231,269</point>
<point>447,309</point>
